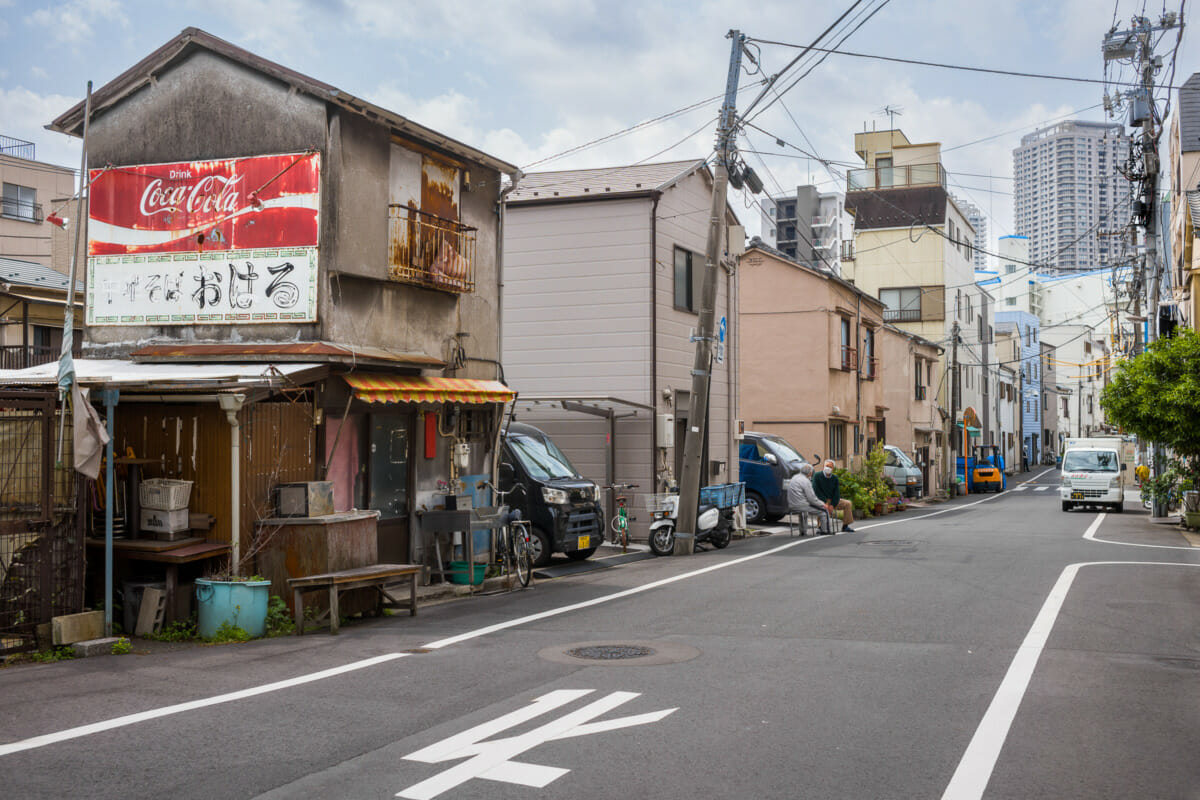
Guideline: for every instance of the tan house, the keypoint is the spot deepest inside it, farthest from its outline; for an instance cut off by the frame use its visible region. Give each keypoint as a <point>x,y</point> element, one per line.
<point>810,357</point>
<point>30,190</point>
<point>911,371</point>
<point>1185,202</point>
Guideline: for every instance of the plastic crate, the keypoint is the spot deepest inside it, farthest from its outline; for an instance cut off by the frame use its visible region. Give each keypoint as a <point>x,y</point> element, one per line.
<point>164,494</point>
<point>723,495</point>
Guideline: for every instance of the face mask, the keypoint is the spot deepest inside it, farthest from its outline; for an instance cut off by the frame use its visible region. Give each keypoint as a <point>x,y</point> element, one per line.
<point>828,471</point>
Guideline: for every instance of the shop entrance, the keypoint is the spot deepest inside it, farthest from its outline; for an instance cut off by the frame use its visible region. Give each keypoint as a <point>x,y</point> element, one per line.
<point>389,478</point>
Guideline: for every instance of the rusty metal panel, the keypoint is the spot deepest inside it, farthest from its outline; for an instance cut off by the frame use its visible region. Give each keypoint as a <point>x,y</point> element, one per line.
<point>440,184</point>
<point>278,446</point>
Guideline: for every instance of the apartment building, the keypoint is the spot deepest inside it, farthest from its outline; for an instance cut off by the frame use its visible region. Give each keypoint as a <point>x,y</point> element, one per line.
<point>1068,193</point>
<point>1184,148</point>
<point>978,221</point>
<point>810,226</point>
<point>29,191</point>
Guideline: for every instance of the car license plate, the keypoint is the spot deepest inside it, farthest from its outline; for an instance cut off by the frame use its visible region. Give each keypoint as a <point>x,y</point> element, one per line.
<point>1076,495</point>
<point>583,542</point>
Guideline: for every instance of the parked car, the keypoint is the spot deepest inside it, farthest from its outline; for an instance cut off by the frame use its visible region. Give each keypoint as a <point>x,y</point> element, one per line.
<point>902,472</point>
<point>563,507</point>
<point>765,464</point>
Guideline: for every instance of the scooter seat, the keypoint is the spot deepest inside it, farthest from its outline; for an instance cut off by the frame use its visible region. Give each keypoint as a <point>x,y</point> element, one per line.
<point>706,507</point>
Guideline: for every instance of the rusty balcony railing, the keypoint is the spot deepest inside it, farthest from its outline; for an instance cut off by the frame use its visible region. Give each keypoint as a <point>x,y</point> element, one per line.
<point>871,368</point>
<point>430,251</point>
<point>849,358</point>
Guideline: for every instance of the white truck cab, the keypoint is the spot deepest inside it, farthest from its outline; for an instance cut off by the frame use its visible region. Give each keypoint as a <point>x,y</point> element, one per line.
<point>1094,472</point>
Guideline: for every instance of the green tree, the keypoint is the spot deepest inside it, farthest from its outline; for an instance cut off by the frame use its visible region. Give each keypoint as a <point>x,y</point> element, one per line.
<point>1157,395</point>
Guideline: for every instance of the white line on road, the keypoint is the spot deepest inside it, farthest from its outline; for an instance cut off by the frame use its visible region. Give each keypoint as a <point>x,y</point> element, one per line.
<point>1040,488</point>
<point>165,711</point>
<point>131,719</point>
<point>1020,488</point>
<point>975,769</point>
<point>1090,535</point>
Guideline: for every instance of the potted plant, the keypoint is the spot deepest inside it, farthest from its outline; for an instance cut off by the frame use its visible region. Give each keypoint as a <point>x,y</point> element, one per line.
<point>226,599</point>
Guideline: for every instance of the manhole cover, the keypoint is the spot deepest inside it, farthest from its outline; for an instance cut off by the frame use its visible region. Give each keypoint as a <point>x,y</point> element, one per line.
<point>620,653</point>
<point>611,652</point>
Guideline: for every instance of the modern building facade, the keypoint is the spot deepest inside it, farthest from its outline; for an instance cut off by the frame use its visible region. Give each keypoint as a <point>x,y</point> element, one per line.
<point>1069,196</point>
<point>1184,147</point>
<point>30,189</point>
<point>1027,331</point>
<point>811,227</point>
<point>978,221</point>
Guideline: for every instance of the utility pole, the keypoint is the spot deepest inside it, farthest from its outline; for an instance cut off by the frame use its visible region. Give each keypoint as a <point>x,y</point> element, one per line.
<point>1137,45</point>
<point>952,439</point>
<point>697,420</point>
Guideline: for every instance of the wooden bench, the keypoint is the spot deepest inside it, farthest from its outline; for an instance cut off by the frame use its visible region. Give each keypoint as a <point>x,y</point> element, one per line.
<point>377,576</point>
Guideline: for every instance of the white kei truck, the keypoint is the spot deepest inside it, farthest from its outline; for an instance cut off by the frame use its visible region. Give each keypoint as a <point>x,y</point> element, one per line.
<point>1095,471</point>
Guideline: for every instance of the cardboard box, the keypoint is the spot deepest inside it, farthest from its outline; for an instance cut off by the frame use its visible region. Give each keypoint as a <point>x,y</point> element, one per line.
<point>310,499</point>
<point>157,521</point>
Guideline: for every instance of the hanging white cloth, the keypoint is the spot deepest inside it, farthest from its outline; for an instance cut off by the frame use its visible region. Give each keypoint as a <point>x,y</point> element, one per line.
<point>90,433</point>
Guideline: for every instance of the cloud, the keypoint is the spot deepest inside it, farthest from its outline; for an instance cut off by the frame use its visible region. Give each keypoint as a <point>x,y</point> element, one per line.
<point>27,113</point>
<point>74,22</point>
<point>38,72</point>
<point>278,29</point>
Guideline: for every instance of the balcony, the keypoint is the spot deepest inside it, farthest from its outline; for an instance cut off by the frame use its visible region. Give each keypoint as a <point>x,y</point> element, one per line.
<point>871,368</point>
<point>847,251</point>
<point>902,315</point>
<point>821,222</point>
<point>849,358</point>
<point>430,251</point>
<point>863,180</point>
<point>26,212</point>
<point>16,356</point>
<point>921,392</point>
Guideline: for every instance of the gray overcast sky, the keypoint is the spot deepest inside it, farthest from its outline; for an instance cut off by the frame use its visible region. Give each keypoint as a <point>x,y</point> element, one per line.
<point>530,79</point>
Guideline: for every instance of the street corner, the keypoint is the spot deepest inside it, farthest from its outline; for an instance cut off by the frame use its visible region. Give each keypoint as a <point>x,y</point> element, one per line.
<point>1136,527</point>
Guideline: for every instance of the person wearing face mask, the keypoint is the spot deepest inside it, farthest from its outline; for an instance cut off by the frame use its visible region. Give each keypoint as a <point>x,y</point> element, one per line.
<point>826,487</point>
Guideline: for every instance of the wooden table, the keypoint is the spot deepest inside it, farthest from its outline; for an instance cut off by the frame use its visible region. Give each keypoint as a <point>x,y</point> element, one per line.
<point>169,554</point>
<point>377,576</point>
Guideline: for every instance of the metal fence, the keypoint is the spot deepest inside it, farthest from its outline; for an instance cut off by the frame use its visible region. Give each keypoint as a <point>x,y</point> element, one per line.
<point>41,533</point>
<point>430,251</point>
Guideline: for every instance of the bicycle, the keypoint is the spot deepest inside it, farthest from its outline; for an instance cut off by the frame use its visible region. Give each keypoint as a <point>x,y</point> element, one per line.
<point>513,551</point>
<point>620,521</point>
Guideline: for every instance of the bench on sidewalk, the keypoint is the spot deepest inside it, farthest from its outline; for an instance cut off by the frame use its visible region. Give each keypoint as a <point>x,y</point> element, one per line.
<point>380,577</point>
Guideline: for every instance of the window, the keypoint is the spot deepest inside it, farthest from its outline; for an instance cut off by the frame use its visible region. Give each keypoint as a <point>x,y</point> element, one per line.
<point>849,354</point>
<point>837,440</point>
<point>1009,269</point>
<point>901,305</point>
<point>920,383</point>
<point>869,354</point>
<point>857,439</point>
<point>685,280</point>
<point>1010,301</point>
<point>20,202</point>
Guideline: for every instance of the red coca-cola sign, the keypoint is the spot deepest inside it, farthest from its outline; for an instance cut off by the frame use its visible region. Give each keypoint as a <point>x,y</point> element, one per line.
<point>231,204</point>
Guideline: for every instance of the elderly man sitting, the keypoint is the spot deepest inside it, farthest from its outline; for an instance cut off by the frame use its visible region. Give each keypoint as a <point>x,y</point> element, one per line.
<point>802,498</point>
<point>829,491</point>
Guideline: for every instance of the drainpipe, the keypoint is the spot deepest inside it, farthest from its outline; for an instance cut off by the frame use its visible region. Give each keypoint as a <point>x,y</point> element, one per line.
<point>109,397</point>
<point>231,404</point>
<point>501,206</point>
<point>654,341</point>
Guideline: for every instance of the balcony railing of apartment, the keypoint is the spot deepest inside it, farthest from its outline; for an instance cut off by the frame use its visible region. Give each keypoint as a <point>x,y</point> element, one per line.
<point>26,212</point>
<point>871,371</point>
<point>921,392</point>
<point>822,244</point>
<point>427,250</point>
<point>902,315</point>
<point>821,222</point>
<point>17,356</point>
<point>860,180</point>
<point>849,358</point>
<point>19,148</point>
<point>847,251</point>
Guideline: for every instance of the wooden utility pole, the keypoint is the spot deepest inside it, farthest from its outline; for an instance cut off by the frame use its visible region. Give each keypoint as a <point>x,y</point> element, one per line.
<point>697,420</point>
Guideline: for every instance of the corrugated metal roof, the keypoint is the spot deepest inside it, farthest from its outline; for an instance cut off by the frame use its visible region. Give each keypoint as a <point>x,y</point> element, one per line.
<point>28,273</point>
<point>162,377</point>
<point>205,352</point>
<point>638,179</point>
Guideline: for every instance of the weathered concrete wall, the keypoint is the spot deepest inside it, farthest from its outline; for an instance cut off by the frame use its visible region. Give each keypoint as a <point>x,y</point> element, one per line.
<point>208,108</point>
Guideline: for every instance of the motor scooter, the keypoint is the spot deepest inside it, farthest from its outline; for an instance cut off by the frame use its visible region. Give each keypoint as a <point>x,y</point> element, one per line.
<point>713,526</point>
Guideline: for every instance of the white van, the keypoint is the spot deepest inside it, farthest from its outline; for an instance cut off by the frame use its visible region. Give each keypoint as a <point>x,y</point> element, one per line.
<point>1093,473</point>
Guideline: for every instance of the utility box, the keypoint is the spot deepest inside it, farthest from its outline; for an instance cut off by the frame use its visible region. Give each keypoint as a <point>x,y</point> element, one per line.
<point>665,433</point>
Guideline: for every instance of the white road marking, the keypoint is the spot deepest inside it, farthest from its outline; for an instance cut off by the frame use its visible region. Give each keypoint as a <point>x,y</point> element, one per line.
<point>132,719</point>
<point>1090,535</point>
<point>165,711</point>
<point>493,760</point>
<point>1040,488</point>
<point>979,760</point>
<point>1022,487</point>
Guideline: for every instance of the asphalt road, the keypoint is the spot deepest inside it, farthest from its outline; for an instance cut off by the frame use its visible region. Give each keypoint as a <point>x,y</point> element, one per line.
<point>980,648</point>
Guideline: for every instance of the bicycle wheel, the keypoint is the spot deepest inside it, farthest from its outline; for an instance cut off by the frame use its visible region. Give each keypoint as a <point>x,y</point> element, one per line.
<point>522,561</point>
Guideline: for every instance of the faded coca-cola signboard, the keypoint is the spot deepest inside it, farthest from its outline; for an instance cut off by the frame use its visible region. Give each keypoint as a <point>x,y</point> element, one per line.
<point>204,242</point>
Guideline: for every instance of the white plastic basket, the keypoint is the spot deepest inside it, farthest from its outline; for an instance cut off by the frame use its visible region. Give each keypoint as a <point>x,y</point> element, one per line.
<point>164,494</point>
<point>658,502</point>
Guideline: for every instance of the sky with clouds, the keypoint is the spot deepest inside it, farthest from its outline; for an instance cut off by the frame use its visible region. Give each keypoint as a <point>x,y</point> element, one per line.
<point>526,80</point>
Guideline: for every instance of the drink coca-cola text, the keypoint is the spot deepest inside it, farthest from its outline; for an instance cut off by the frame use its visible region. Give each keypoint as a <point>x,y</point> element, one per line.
<point>212,194</point>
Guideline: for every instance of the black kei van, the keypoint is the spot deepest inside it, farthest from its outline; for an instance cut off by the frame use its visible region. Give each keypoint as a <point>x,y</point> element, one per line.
<point>562,505</point>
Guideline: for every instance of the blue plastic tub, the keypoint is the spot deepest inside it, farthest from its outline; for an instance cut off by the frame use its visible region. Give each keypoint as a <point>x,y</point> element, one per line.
<point>242,604</point>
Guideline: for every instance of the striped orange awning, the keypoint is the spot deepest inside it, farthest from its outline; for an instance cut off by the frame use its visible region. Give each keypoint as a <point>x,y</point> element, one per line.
<point>374,388</point>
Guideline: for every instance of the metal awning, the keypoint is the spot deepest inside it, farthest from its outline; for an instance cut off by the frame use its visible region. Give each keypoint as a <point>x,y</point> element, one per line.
<point>377,388</point>
<point>596,405</point>
<point>167,378</point>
